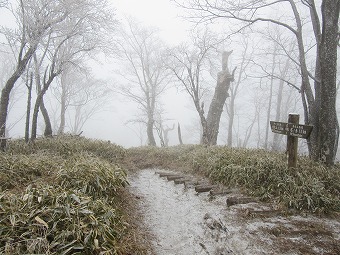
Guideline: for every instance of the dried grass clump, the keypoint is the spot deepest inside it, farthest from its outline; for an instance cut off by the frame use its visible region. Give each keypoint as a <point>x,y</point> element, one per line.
<point>52,220</point>
<point>92,176</point>
<point>59,198</point>
<point>310,186</point>
<point>17,171</point>
<point>66,145</point>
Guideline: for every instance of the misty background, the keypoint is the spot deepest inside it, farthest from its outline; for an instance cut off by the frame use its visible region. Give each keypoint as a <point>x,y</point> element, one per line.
<point>264,86</point>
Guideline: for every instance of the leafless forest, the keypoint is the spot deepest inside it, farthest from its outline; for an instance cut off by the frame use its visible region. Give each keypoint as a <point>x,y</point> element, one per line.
<point>66,64</point>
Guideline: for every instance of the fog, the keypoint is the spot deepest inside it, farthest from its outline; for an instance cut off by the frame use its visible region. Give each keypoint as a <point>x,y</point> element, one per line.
<point>262,56</point>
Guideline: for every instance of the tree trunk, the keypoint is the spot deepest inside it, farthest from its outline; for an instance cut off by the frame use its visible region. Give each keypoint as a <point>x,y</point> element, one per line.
<point>166,135</point>
<point>61,129</point>
<point>216,107</point>
<point>28,108</point>
<point>6,91</point>
<point>231,122</point>
<point>270,97</point>
<point>179,135</point>
<point>277,137</point>
<point>38,101</point>
<point>149,131</point>
<point>233,93</point>
<point>35,117</point>
<point>4,102</point>
<point>48,126</point>
<point>77,120</point>
<point>329,127</point>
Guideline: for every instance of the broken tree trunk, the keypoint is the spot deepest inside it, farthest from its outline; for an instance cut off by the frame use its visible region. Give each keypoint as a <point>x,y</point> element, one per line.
<point>179,135</point>
<point>224,78</point>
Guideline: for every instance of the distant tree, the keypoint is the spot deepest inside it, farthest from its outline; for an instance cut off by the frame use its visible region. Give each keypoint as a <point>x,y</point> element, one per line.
<point>320,103</point>
<point>92,97</point>
<point>179,133</point>
<point>29,86</point>
<point>144,71</point>
<point>188,66</point>
<point>75,90</point>
<point>236,86</point>
<point>163,130</point>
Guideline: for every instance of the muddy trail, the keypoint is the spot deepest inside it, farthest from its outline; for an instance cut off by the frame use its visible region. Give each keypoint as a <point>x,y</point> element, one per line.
<point>187,215</point>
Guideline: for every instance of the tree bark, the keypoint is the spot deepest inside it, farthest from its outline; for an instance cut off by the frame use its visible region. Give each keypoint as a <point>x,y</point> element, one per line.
<point>28,108</point>
<point>38,101</point>
<point>63,106</point>
<point>48,126</point>
<point>216,107</point>
<point>5,93</point>
<point>149,131</point>
<point>329,127</point>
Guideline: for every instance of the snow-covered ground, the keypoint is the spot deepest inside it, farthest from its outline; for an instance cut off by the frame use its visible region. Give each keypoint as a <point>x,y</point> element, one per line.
<point>184,222</point>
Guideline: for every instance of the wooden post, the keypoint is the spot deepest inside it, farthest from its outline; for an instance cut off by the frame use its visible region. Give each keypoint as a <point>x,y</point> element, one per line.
<point>292,141</point>
<point>293,130</point>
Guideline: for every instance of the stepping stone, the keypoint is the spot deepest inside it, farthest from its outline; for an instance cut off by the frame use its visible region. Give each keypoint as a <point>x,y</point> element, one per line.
<point>204,188</point>
<point>181,181</point>
<point>191,183</point>
<point>174,177</point>
<point>240,200</point>
<point>264,213</point>
<point>220,192</point>
<point>166,174</point>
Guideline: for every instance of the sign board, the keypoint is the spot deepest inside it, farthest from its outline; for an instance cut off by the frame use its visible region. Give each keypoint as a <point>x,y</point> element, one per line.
<point>297,130</point>
<point>293,130</point>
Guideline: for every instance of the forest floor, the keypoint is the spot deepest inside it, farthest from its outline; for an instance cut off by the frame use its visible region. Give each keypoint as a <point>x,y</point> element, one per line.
<point>175,219</point>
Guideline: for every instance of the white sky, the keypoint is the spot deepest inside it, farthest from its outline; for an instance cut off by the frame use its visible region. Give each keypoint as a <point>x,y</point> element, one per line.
<point>159,13</point>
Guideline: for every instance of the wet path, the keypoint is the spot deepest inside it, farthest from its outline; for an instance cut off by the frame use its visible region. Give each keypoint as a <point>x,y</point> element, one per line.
<point>186,223</point>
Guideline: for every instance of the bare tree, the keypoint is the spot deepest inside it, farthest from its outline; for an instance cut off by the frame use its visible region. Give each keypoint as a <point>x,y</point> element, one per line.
<point>40,91</point>
<point>35,19</point>
<point>282,76</point>
<point>163,130</point>
<point>74,89</point>
<point>235,87</point>
<point>188,66</point>
<point>91,98</point>
<point>50,73</point>
<point>145,73</point>
<point>68,44</point>
<point>319,104</point>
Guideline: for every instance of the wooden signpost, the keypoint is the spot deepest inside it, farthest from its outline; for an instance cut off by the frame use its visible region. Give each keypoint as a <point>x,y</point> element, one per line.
<point>293,130</point>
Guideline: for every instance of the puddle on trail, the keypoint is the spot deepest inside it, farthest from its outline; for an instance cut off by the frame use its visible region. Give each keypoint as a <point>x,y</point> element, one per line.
<point>186,223</point>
